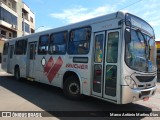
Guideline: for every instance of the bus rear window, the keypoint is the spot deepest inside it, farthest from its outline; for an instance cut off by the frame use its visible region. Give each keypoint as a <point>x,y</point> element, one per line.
<point>79,41</point>
<point>5,49</point>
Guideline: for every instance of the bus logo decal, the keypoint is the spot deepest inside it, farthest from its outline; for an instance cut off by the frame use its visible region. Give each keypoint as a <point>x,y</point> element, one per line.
<point>51,69</point>
<point>48,65</point>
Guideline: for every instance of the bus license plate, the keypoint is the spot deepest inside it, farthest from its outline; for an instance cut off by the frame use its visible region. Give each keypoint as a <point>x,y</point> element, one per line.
<point>145,98</point>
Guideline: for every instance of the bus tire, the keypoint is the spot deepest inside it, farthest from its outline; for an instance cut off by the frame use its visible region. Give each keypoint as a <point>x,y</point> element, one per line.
<point>71,88</point>
<point>17,73</point>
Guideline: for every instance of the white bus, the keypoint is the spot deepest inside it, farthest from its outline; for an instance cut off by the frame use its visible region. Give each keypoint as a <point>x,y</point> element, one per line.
<point>112,57</point>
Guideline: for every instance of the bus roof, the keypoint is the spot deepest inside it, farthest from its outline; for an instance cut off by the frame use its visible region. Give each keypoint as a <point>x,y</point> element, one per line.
<point>111,16</point>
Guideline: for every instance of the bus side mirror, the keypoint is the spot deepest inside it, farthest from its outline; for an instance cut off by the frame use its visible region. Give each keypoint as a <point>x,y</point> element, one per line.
<point>127,35</point>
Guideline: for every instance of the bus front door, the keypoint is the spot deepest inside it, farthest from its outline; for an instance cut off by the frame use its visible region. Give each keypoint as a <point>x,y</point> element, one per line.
<point>111,68</point>
<point>106,60</point>
<point>31,60</point>
<point>97,86</point>
<point>10,59</point>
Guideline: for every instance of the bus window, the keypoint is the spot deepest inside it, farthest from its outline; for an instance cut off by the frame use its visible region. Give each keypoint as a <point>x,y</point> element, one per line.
<point>111,80</point>
<point>32,51</point>
<point>97,78</point>
<point>58,43</point>
<point>98,48</point>
<point>79,41</point>
<point>43,45</point>
<point>5,49</point>
<point>11,51</point>
<point>21,47</point>
<point>112,47</point>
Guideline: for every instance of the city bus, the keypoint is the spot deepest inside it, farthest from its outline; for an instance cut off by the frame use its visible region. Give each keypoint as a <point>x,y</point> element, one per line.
<point>111,57</point>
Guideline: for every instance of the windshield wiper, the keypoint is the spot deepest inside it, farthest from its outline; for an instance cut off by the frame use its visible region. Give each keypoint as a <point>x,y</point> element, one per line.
<point>138,35</point>
<point>138,31</point>
<point>145,41</point>
<point>147,51</point>
<point>149,47</point>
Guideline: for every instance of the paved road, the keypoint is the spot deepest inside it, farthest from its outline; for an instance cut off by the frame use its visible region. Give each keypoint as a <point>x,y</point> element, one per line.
<point>31,96</point>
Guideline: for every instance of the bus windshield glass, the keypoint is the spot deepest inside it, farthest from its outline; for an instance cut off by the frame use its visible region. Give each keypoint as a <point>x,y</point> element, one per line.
<point>141,52</point>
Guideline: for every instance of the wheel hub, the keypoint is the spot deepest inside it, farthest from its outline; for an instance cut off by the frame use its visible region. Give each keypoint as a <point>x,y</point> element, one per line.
<point>74,88</point>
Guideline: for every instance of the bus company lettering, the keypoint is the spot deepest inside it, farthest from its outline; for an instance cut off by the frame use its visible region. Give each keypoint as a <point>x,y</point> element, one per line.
<point>77,66</point>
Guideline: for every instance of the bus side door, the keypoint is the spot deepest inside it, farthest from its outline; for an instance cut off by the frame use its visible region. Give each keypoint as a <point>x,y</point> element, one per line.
<point>31,59</point>
<point>106,80</point>
<point>112,66</point>
<point>97,83</point>
<point>10,59</point>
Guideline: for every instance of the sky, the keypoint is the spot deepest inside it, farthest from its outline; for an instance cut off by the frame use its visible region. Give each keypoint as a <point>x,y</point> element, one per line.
<point>56,13</point>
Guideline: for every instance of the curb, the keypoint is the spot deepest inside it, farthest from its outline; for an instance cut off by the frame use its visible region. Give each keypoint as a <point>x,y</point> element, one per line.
<point>2,73</point>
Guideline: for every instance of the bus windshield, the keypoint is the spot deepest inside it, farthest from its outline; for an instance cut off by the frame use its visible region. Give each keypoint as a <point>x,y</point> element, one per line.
<point>141,52</point>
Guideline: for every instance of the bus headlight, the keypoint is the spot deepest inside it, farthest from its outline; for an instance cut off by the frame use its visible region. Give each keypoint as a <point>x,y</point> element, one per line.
<point>130,82</point>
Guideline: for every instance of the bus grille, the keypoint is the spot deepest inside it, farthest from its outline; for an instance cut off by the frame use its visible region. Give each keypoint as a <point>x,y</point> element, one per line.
<point>145,93</point>
<point>145,78</point>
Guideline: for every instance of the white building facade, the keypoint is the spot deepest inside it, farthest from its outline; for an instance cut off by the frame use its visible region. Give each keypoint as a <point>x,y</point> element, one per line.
<point>16,19</point>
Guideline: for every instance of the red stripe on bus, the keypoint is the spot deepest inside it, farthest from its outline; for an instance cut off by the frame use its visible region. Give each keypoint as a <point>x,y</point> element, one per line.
<point>54,70</point>
<point>48,65</point>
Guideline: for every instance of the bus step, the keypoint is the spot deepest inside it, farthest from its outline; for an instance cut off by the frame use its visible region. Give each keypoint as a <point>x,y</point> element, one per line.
<point>30,79</point>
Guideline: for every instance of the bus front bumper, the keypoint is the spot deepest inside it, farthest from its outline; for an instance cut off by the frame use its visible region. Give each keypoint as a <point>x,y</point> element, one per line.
<point>131,95</point>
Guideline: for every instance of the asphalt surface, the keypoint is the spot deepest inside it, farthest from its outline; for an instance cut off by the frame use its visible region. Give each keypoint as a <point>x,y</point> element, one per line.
<point>32,96</point>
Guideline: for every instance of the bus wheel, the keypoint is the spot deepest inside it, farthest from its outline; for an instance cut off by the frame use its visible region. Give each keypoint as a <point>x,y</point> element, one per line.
<point>71,88</point>
<point>17,73</point>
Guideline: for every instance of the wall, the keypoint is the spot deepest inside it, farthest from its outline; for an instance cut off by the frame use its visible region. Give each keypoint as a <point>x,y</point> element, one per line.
<point>1,45</point>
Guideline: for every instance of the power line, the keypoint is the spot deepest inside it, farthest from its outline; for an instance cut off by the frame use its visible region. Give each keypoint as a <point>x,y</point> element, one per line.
<point>131,4</point>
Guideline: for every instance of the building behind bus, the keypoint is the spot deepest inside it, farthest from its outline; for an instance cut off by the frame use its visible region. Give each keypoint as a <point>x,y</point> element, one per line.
<point>16,19</point>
